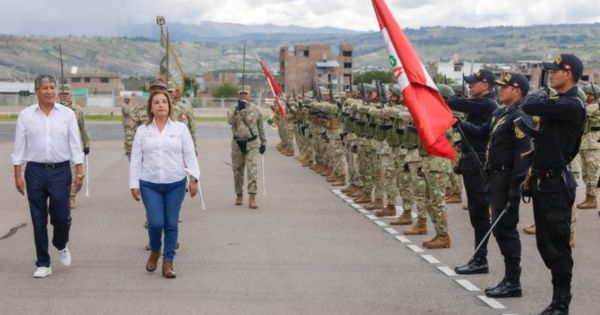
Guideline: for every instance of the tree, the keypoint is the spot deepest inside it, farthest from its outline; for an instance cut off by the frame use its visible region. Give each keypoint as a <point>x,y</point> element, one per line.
<point>226,90</point>
<point>370,76</point>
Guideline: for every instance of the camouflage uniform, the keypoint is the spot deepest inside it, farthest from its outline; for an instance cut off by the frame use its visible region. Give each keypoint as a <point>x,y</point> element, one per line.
<point>184,112</point>
<point>133,117</point>
<point>246,124</point>
<point>350,107</point>
<point>436,172</point>
<point>383,159</point>
<point>590,151</point>
<point>365,153</point>
<point>85,139</point>
<point>335,148</point>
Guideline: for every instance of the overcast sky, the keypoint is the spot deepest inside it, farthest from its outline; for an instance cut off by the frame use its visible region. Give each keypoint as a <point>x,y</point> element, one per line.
<point>96,17</point>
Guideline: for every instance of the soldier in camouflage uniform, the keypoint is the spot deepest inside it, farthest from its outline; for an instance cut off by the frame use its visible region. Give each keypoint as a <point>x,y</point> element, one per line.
<point>335,149</point>
<point>433,172</point>
<point>349,111</point>
<point>135,116</point>
<point>185,114</point>
<point>454,191</point>
<point>66,98</point>
<point>365,154</point>
<point>415,185</point>
<point>590,148</point>
<point>394,120</point>
<point>248,142</point>
<point>379,151</point>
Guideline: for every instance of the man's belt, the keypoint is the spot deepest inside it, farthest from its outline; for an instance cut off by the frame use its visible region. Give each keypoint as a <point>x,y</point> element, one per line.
<point>548,173</point>
<point>495,168</point>
<point>386,127</point>
<point>245,138</point>
<point>50,165</point>
<point>595,128</point>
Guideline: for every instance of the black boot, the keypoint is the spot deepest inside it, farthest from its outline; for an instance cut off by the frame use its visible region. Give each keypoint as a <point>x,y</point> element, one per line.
<point>474,266</point>
<point>560,303</point>
<point>510,286</point>
<point>506,288</point>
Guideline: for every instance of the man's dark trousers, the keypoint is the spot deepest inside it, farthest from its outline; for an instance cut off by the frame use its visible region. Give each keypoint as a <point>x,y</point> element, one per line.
<point>48,191</point>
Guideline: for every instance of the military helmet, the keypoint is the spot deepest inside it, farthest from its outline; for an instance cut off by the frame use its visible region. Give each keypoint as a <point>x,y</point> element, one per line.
<point>592,89</point>
<point>396,90</point>
<point>445,90</point>
<point>371,88</point>
<point>457,88</point>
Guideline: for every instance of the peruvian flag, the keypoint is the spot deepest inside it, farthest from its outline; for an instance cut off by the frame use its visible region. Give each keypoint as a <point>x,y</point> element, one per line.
<point>275,88</point>
<point>429,110</point>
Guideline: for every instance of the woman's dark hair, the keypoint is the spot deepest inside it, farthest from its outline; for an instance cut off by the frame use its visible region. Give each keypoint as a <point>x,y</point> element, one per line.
<point>149,108</point>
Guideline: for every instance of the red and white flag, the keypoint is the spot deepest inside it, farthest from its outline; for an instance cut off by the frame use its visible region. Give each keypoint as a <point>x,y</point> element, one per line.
<point>430,112</point>
<point>275,88</point>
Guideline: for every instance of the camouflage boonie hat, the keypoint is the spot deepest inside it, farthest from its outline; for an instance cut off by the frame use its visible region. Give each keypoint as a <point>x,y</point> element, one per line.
<point>158,83</point>
<point>66,88</point>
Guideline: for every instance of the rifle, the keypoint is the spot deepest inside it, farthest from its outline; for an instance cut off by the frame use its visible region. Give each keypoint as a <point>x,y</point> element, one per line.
<point>382,95</point>
<point>363,92</point>
<point>62,70</point>
<point>317,91</point>
<point>244,69</point>
<point>330,87</point>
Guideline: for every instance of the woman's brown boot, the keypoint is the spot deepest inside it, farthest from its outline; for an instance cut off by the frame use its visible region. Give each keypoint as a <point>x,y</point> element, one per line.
<point>152,261</point>
<point>167,270</point>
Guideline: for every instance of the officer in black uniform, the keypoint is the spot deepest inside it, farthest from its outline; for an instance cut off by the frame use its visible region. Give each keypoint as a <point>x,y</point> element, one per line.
<point>478,110</point>
<point>506,170</point>
<point>552,185</point>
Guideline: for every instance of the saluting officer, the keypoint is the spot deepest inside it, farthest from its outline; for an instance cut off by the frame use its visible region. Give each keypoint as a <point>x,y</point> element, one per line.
<point>478,110</point>
<point>552,183</point>
<point>506,170</point>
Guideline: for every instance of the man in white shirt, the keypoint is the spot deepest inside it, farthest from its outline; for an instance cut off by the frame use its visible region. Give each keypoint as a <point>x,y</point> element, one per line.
<point>47,141</point>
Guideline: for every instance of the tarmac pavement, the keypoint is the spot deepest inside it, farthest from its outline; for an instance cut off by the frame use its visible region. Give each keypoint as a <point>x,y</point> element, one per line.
<point>304,251</point>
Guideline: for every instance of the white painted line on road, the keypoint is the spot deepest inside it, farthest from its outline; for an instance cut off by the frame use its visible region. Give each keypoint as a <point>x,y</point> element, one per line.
<point>371,217</point>
<point>403,239</point>
<point>468,285</point>
<point>415,248</point>
<point>493,303</point>
<point>356,205</point>
<point>391,231</point>
<point>430,259</point>
<point>447,271</point>
<point>381,223</point>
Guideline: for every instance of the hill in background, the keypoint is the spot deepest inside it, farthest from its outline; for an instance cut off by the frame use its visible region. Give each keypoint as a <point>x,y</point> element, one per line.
<point>201,51</point>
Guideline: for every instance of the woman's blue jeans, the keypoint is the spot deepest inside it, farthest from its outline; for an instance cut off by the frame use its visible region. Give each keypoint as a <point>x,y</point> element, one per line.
<point>163,202</point>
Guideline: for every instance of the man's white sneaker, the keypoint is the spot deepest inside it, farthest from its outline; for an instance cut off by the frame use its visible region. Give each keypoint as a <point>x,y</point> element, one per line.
<point>65,256</point>
<point>42,272</point>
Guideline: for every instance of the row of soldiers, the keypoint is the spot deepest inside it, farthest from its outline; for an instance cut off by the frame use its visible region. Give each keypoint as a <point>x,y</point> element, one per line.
<point>374,149</point>
<point>367,139</point>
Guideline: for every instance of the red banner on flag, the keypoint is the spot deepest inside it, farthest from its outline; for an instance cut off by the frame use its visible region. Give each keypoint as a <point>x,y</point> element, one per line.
<point>430,112</point>
<point>275,88</point>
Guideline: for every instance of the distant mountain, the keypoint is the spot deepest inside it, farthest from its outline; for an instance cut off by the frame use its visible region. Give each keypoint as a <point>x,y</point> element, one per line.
<point>213,46</point>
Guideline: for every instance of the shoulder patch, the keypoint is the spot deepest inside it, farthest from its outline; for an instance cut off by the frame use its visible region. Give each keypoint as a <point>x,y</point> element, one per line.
<point>519,133</point>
